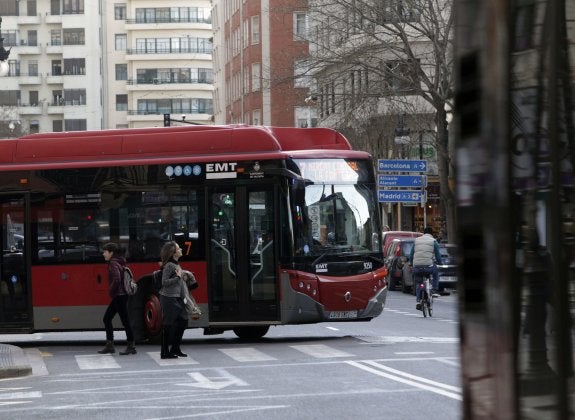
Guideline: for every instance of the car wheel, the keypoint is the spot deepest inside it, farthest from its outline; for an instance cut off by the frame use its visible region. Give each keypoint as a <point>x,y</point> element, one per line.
<point>404,288</point>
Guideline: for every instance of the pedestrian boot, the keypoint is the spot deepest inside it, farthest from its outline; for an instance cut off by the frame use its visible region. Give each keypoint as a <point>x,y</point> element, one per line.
<point>130,349</point>
<point>108,348</point>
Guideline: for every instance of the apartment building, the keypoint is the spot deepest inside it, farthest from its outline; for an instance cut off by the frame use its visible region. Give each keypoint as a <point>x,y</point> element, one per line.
<point>260,48</point>
<point>87,65</point>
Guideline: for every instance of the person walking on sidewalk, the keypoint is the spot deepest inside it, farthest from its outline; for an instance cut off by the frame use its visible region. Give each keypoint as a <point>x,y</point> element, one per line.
<point>114,255</point>
<point>174,310</point>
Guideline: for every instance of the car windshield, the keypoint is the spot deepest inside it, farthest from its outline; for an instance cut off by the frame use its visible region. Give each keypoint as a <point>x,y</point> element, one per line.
<point>448,254</point>
<point>406,247</point>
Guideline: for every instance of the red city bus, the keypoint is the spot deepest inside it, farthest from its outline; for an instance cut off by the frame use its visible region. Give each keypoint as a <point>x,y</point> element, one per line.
<point>279,225</point>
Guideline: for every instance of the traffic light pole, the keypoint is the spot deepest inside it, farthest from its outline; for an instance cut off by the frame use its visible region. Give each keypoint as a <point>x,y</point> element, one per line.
<point>168,120</point>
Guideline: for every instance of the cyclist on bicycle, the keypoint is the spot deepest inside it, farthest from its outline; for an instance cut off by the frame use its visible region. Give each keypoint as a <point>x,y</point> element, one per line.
<point>423,258</point>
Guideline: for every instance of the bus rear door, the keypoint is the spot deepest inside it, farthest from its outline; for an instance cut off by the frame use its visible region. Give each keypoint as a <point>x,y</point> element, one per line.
<point>242,255</point>
<point>15,297</point>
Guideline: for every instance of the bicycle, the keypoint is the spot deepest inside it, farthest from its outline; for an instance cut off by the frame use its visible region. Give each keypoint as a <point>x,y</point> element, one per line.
<point>426,295</point>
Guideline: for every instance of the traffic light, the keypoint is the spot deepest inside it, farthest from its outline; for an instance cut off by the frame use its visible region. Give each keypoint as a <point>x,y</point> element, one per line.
<point>166,120</point>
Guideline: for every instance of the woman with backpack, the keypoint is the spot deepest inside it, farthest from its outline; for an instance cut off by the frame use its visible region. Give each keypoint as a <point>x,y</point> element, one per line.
<point>114,256</point>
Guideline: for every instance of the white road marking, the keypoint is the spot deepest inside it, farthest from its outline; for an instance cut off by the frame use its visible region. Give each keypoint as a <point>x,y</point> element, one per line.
<point>409,379</point>
<point>36,360</point>
<point>333,328</point>
<point>15,395</point>
<point>224,380</point>
<point>96,361</point>
<point>247,354</point>
<point>413,352</point>
<point>321,351</point>
<point>155,355</point>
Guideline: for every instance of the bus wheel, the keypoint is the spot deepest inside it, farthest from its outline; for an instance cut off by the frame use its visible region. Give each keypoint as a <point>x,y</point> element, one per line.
<point>251,333</point>
<point>153,316</point>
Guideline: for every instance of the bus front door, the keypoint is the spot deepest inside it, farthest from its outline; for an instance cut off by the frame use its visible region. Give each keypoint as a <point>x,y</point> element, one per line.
<point>242,276</point>
<point>15,297</point>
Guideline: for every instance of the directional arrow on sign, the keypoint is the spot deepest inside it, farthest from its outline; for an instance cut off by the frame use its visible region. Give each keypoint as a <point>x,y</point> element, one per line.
<point>224,379</point>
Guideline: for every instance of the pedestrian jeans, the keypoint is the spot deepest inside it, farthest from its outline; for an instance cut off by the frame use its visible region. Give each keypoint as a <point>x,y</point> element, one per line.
<point>118,305</point>
<point>418,272</point>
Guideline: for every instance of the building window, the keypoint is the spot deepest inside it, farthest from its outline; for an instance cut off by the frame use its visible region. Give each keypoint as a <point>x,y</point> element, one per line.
<point>302,76</point>
<point>74,36</point>
<point>256,117</point>
<point>121,72</point>
<point>55,37</point>
<point>9,8</point>
<point>34,126</point>
<point>255,27</point>
<point>74,66</point>
<point>255,77</point>
<point>72,7</point>
<point>33,68</point>
<point>120,11</point>
<point>75,96</point>
<point>75,125</point>
<point>300,25</point>
<point>121,102</point>
<point>398,11</point>
<point>400,76</point>
<point>57,126</point>
<point>121,42</point>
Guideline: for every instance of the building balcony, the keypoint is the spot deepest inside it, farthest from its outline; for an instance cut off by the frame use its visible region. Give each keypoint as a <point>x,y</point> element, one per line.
<point>24,49</point>
<point>54,79</point>
<point>54,48</point>
<point>53,18</point>
<point>29,20</point>
<point>55,109</point>
<point>162,84</point>
<point>26,109</point>
<point>29,79</point>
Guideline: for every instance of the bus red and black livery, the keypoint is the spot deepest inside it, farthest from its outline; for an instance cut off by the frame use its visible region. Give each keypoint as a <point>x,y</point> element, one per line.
<point>279,225</point>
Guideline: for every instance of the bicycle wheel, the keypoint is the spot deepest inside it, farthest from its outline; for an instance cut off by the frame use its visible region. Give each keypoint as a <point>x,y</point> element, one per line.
<point>430,306</point>
<point>424,306</point>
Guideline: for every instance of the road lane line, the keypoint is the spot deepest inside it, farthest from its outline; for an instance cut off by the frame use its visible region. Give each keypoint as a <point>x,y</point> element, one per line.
<point>439,388</point>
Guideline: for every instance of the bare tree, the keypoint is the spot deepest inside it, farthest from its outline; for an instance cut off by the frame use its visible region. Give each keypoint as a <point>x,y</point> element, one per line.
<point>375,60</point>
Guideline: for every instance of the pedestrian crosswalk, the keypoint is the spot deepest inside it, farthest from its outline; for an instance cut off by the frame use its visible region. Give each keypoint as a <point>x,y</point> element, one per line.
<point>244,354</point>
<point>148,357</point>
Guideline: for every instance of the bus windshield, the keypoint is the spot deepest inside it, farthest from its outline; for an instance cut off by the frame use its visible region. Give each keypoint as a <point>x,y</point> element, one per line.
<point>336,217</point>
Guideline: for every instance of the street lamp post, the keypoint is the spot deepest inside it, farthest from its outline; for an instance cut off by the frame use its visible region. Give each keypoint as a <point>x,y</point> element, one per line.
<point>4,67</point>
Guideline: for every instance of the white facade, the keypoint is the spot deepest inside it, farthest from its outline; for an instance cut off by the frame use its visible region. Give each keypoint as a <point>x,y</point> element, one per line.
<point>107,64</point>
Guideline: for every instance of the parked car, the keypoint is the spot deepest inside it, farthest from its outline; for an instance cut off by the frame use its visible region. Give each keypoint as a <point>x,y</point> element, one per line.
<point>396,234</point>
<point>396,258</point>
<point>447,270</point>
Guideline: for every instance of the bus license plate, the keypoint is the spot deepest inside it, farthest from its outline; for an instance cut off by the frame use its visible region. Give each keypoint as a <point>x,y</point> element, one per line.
<point>343,314</point>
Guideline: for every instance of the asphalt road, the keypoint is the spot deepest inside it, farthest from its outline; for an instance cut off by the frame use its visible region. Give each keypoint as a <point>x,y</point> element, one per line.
<point>398,366</point>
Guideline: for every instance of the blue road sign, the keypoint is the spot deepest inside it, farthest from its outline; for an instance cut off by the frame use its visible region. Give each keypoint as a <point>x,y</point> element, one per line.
<point>401,165</point>
<point>400,196</point>
<point>408,181</point>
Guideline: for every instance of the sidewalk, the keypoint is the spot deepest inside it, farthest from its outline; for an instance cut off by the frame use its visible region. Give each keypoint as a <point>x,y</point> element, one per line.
<point>13,362</point>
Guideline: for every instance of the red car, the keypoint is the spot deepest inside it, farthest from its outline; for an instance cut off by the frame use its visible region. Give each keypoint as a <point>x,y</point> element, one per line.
<point>396,234</point>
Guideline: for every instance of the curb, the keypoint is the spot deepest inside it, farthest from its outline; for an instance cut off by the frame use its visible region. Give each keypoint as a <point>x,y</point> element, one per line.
<point>13,362</point>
